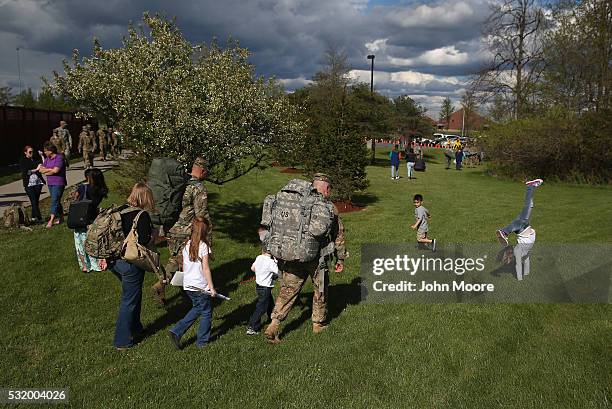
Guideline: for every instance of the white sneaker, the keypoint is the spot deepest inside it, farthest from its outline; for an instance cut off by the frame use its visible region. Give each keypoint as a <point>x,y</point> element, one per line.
<point>534,182</point>
<point>251,331</point>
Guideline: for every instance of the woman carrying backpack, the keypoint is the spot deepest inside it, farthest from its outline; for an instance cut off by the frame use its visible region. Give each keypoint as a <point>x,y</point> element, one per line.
<point>131,276</point>
<point>95,190</point>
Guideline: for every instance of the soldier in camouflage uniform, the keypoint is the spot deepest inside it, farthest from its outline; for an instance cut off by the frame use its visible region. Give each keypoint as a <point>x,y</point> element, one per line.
<point>58,141</point>
<point>294,274</point>
<point>112,142</point>
<point>87,146</point>
<point>195,204</point>
<point>64,133</point>
<point>103,143</point>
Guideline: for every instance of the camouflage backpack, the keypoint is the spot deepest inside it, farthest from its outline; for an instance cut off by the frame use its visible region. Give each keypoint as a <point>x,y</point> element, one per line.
<point>298,219</point>
<point>14,216</point>
<point>105,235</point>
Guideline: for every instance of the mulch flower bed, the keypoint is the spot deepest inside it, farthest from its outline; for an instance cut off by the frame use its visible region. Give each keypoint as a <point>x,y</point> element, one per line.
<point>347,207</point>
<point>291,170</point>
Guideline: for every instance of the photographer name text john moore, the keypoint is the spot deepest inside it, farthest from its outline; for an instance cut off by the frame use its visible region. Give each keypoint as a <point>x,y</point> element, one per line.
<point>431,286</point>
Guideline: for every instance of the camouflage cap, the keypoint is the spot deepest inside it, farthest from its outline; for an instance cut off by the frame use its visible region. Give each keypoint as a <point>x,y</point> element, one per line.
<point>84,127</point>
<point>200,162</point>
<point>322,177</point>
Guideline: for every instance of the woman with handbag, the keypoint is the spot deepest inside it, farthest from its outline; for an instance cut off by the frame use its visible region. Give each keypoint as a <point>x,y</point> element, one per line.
<point>131,275</point>
<point>32,180</point>
<point>93,192</point>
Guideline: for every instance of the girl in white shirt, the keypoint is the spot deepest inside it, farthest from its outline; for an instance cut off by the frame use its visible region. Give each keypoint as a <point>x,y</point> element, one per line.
<point>198,284</point>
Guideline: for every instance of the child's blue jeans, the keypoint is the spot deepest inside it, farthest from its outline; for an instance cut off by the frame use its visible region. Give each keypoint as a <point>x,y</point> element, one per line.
<point>201,307</point>
<point>521,222</point>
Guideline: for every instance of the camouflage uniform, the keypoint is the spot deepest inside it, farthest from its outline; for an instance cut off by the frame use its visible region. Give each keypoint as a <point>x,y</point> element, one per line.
<point>58,142</point>
<point>87,145</point>
<point>64,133</point>
<point>294,276</point>
<point>112,141</point>
<point>102,143</point>
<point>195,204</point>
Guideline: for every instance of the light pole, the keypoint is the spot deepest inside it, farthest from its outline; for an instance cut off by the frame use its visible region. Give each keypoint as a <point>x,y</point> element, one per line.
<point>19,69</point>
<point>371,57</point>
<point>373,141</point>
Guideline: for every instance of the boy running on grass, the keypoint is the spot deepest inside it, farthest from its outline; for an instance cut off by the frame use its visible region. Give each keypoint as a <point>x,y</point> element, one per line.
<point>421,225</point>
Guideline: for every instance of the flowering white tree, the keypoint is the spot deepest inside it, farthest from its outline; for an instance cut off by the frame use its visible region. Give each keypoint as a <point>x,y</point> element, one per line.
<point>175,99</point>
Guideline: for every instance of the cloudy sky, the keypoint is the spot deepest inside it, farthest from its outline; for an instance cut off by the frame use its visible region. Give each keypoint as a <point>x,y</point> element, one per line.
<point>424,48</point>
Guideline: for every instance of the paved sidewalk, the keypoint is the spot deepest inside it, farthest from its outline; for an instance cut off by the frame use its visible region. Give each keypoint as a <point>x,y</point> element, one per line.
<point>14,192</point>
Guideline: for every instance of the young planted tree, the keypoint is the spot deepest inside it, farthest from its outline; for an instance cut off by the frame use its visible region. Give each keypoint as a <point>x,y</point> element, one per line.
<point>334,142</point>
<point>446,111</point>
<point>174,99</point>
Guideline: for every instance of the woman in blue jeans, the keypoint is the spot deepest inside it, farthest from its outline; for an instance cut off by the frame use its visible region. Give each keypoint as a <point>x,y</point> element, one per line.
<point>198,284</point>
<point>54,167</point>
<point>128,325</point>
<point>33,181</point>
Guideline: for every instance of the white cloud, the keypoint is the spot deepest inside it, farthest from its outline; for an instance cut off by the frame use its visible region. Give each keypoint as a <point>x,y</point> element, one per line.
<point>377,45</point>
<point>449,13</point>
<point>294,83</point>
<point>448,55</point>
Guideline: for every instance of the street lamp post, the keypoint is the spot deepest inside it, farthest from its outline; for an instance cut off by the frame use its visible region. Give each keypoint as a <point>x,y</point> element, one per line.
<point>373,141</point>
<point>19,69</point>
<point>371,57</point>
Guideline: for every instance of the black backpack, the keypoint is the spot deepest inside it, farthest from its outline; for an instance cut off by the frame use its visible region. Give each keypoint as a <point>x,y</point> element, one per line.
<point>419,165</point>
<point>167,180</point>
<point>81,213</point>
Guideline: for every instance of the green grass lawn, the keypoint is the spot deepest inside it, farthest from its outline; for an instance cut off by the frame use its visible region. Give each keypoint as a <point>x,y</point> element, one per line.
<point>58,323</point>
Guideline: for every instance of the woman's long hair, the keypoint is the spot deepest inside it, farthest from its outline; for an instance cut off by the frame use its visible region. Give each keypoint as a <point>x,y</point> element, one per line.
<point>141,197</point>
<point>199,232</point>
<point>95,179</point>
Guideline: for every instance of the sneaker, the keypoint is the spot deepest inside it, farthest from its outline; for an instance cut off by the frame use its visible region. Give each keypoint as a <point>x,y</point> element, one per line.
<point>502,237</point>
<point>534,182</point>
<point>251,331</point>
<point>433,245</point>
<point>176,340</point>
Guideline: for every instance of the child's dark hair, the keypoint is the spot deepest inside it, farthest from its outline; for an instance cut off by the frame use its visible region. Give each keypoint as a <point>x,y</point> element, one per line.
<point>418,197</point>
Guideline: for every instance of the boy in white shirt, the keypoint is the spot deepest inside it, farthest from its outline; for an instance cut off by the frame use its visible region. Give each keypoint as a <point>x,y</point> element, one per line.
<point>520,224</point>
<point>266,271</point>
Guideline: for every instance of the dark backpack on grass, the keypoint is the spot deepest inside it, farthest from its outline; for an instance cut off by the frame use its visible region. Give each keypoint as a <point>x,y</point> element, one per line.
<point>419,165</point>
<point>167,180</point>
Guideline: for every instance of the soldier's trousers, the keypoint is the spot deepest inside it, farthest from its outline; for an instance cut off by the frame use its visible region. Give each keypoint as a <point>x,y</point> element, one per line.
<point>294,276</point>
<point>103,151</point>
<point>88,158</point>
<point>175,262</point>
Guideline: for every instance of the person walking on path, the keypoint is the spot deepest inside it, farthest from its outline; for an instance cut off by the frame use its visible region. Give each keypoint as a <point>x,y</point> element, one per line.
<point>103,143</point>
<point>64,133</point>
<point>54,167</point>
<point>87,146</point>
<point>32,180</point>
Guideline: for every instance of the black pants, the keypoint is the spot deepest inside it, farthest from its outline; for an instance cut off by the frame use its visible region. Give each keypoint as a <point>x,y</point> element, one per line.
<point>265,305</point>
<point>33,193</point>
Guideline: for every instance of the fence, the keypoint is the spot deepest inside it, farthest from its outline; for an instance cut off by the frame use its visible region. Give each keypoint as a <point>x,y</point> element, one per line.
<point>25,126</point>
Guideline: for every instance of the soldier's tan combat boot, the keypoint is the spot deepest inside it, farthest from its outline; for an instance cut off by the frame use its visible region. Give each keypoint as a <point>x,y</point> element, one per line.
<point>159,293</point>
<point>272,332</point>
<point>317,328</point>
